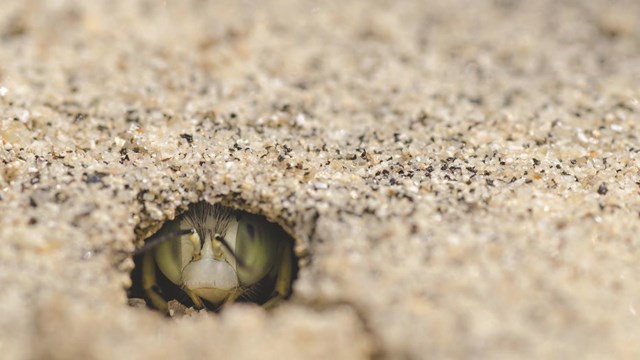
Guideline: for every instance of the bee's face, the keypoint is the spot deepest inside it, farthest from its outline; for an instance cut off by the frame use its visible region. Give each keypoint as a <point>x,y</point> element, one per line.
<point>221,252</point>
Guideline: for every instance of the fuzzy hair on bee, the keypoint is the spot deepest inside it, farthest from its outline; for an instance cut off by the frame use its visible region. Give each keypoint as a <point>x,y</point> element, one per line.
<point>205,218</point>
<point>214,255</point>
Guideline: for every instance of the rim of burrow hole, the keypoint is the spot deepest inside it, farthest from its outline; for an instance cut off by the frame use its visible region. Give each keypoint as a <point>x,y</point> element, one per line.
<point>264,292</point>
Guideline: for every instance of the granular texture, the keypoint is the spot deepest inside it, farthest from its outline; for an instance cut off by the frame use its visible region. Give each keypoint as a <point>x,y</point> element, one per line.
<point>461,177</point>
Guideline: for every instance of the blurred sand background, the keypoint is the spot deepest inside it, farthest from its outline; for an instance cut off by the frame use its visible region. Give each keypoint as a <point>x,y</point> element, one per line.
<point>461,177</point>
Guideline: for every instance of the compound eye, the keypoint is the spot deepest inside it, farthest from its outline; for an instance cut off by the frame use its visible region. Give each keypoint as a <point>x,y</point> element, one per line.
<point>256,247</point>
<point>251,231</point>
<point>248,232</point>
<point>173,255</point>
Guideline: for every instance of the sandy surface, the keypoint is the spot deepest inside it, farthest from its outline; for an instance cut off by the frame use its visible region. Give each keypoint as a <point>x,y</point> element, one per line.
<point>461,177</point>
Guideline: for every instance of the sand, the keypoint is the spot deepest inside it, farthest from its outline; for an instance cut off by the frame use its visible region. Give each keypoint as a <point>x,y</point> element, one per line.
<point>461,178</point>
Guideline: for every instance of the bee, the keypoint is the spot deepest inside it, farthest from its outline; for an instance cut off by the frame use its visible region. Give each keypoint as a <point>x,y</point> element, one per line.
<point>214,255</point>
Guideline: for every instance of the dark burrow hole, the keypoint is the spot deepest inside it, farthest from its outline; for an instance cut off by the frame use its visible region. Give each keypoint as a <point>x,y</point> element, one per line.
<point>211,256</point>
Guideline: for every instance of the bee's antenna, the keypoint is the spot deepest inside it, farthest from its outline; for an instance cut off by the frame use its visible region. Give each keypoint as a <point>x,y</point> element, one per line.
<point>226,245</point>
<point>154,241</point>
